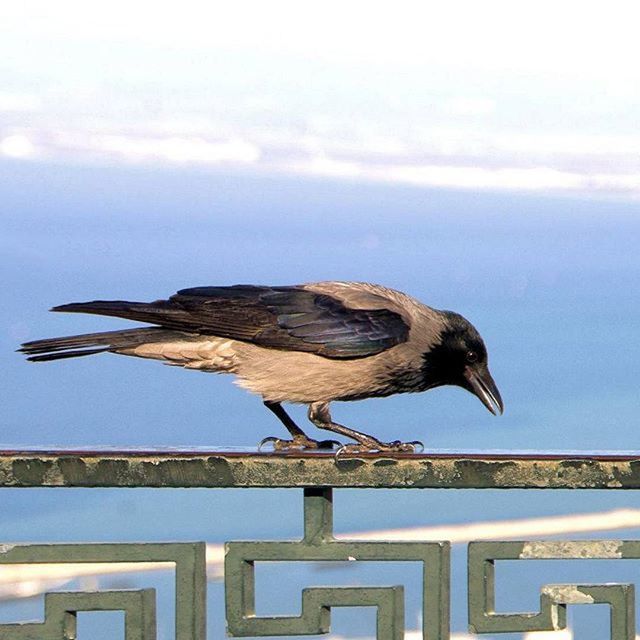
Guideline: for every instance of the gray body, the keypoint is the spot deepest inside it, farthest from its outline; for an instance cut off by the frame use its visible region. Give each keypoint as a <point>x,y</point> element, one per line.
<point>295,376</point>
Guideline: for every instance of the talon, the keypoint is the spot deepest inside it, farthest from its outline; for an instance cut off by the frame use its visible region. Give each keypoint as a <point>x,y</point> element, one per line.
<point>266,441</point>
<point>350,448</point>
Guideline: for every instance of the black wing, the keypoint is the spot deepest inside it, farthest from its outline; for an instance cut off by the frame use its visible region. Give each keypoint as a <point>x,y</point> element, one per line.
<point>290,318</point>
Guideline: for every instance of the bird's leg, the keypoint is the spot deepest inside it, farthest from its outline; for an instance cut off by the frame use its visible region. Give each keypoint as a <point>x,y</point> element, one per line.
<point>299,439</point>
<point>320,416</point>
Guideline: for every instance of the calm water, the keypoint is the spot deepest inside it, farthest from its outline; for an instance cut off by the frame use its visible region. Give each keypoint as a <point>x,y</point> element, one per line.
<point>550,283</point>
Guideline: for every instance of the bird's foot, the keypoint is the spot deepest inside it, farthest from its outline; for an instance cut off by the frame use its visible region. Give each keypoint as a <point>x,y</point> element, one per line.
<point>299,443</point>
<point>371,445</point>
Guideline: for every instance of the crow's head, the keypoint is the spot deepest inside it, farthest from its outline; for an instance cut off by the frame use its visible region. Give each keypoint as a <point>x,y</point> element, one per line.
<point>460,358</point>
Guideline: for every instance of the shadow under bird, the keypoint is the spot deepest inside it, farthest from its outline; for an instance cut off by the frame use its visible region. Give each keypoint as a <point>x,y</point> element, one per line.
<point>311,344</point>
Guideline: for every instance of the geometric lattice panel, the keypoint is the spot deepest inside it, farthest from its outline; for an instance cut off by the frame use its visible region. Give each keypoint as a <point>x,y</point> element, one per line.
<point>60,611</point>
<point>554,598</point>
<point>138,605</point>
<point>319,545</point>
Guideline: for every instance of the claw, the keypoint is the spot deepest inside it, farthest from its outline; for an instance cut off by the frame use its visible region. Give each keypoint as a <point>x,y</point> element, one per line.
<point>346,449</point>
<point>266,441</point>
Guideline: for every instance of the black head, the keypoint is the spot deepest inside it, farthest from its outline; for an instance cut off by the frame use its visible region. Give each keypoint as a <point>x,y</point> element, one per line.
<point>460,358</point>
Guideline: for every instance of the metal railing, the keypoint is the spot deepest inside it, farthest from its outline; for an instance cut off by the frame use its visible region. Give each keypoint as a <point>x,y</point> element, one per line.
<point>318,474</point>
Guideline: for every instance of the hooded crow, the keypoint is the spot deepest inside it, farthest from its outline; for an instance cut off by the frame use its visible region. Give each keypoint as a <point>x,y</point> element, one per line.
<point>311,344</point>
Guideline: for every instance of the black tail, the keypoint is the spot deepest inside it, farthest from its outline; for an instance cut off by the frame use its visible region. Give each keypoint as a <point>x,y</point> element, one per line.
<point>153,312</point>
<point>89,343</point>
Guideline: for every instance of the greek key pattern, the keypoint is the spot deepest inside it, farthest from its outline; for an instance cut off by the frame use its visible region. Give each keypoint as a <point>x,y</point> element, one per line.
<point>61,610</point>
<point>138,605</point>
<point>318,545</point>
<point>554,598</point>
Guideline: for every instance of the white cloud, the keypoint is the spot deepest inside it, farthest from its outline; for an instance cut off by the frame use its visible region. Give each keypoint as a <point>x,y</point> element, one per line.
<point>562,143</point>
<point>485,178</point>
<point>517,163</point>
<point>16,146</point>
<point>323,165</point>
<point>502,95</point>
<point>176,149</point>
<point>613,182</point>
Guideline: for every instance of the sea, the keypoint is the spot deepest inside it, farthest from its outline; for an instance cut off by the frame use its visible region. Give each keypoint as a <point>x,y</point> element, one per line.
<point>550,281</point>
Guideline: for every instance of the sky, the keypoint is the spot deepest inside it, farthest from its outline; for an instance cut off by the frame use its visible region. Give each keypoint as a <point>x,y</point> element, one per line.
<point>146,147</point>
<point>541,97</point>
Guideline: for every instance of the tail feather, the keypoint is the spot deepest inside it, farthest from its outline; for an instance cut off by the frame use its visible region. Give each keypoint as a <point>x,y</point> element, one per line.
<point>90,343</point>
<point>65,354</point>
<point>159,312</point>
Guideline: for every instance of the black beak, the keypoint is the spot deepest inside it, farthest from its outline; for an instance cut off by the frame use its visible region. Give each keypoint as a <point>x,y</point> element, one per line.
<point>481,384</point>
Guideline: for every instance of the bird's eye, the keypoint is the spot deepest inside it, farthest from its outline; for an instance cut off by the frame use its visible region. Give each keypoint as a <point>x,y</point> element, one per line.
<point>471,356</point>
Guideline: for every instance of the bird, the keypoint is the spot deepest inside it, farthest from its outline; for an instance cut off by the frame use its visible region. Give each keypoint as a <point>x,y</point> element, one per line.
<point>310,344</point>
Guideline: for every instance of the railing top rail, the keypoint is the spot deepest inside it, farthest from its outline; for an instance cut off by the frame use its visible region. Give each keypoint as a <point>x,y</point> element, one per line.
<point>107,467</point>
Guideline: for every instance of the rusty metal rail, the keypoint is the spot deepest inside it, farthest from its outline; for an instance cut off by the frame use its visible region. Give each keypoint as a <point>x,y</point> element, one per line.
<point>235,469</point>
<point>318,474</point>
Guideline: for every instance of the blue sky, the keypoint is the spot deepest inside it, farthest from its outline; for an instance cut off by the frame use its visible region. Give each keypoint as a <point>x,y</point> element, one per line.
<point>529,96</point>
<point>145,149</point>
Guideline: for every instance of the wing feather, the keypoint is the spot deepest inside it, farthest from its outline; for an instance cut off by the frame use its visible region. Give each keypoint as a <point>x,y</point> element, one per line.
<point>291,318</point>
